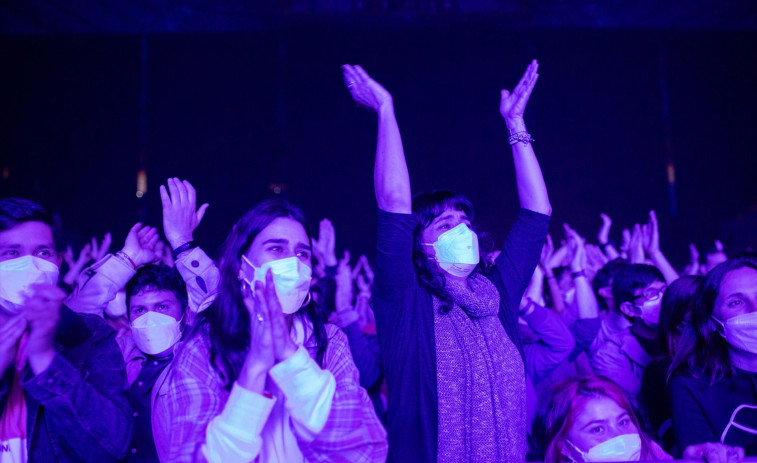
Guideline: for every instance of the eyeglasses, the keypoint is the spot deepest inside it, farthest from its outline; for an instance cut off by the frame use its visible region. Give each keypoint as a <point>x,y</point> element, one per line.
<point>652,294</point>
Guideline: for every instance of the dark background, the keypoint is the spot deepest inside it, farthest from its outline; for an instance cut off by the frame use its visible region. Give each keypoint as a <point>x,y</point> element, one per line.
<point>240,112</point>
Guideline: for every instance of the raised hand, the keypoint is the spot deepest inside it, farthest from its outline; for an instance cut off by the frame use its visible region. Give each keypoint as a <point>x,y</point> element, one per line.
<point>344,293</point>
<point>180,213</point>
<point>76,266</point>
<point>547,251</point>
<point>324,247</point>
<point>364,90</point>
<point>140,244</point>
<point>98,250</point>
<point>603,237</point>
<point>650,233</point>
<point>636,246</point>
<point>42,311</point>
<point>513,104</point>
<point>576,249</point>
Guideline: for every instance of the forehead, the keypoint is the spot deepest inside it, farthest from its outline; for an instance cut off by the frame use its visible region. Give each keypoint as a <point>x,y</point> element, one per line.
<point>450,213</point>
<point>152,296</point>
<point>741,280</point>
<point>27,234</point>
<point>283,228</point>
<point>597,408</point>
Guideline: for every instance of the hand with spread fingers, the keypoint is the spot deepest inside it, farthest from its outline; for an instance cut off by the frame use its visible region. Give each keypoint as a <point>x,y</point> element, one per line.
<point>180,213</point>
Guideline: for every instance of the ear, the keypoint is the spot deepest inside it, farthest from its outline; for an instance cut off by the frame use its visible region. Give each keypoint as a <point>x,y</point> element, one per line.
<point>605,292</point>
<point>629,310</point>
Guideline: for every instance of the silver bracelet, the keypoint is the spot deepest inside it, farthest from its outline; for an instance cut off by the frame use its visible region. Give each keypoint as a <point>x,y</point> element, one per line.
<point>522,136</point>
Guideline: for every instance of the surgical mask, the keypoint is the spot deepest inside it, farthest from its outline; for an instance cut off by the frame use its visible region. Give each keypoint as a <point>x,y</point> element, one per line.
<point>626,447</point>
<point>291,277</point>
<point>17,275</point>
<point>155,332</point>
<point>650,312</point>
<point>741,331</point>
<point>457,251</point>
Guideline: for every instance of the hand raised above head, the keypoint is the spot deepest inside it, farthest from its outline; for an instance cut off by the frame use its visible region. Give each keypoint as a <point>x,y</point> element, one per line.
<point>604,232</point>
<point>140,243</point>
<point>364,90</point>
<point>180,213</point>
<point>512,105</point>
<point>324,247</point>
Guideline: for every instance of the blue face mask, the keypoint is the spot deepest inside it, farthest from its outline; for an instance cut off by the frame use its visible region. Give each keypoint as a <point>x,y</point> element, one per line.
<point>626,447</point>
<point>457,251</point>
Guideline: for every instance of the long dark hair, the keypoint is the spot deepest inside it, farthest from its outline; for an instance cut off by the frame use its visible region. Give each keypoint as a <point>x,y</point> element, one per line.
<point>428,206</point>
<point>675,310</point>
<point>227,319</point>
<point>702,351</point>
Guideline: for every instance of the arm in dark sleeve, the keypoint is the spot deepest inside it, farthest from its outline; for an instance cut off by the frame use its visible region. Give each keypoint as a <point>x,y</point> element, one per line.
<point>5,387</point>
<point>94,405</point>
<point>584,330</point>
<point>690,424</point>
<point>554,345</point>
<point>394,259</point>
<point>366,354</point>
<point>521,252</point>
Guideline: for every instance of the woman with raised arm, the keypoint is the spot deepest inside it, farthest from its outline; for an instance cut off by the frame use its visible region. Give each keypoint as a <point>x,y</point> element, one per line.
<point>447,325</point>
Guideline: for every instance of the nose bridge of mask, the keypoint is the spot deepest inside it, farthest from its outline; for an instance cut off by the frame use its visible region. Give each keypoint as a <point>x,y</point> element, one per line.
<point>458,245</point>
<point>16,275</point>
<point>626,447</point>
<point>153,318</point>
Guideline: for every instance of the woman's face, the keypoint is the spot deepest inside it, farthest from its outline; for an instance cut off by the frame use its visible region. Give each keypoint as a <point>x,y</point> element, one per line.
<point>737,295</point>
<point>600,419</point>
<point>282,238</point>
<point>445,221</point>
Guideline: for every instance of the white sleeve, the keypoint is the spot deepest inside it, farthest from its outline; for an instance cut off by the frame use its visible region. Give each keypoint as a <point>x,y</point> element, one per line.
<point>308,391</point>
<point>234,435</point>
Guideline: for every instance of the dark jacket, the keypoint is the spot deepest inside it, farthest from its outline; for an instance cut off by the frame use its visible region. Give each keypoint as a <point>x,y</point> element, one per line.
<point>405,323</point>
<point>702,411</point>
<point>77,409</point>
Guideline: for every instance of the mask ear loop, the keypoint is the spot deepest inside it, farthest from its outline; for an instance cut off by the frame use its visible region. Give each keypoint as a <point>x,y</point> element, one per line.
<point>570,457</point>
<point>307,300</point>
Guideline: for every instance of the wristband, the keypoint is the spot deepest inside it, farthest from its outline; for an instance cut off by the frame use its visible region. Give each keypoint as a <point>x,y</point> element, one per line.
<point>184,247</point>
<point>522,136</point>
<point>530,306</point>
<point>126,258</point>
<point>578,274</point>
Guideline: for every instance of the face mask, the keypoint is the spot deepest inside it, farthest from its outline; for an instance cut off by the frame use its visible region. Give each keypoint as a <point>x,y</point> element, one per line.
<point>741,331</point>
<point>17,275</point>
<point>650,312</point>
<point>457,251</point>
<point>290,276</point>
<point>155,332</point>
<point>626,447</point>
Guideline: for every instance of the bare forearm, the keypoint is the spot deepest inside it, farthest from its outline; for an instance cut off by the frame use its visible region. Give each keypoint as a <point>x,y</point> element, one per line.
<point>659,261</point>
<point>585,299</point>
<point>532,191</point>
<point>391,178</point>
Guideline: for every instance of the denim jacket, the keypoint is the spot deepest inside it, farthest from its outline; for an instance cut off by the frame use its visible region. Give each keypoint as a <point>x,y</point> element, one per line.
<point>77,409</point>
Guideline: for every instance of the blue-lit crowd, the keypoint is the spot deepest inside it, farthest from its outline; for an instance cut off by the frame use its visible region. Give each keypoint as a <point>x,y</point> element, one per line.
<point>444,348</point>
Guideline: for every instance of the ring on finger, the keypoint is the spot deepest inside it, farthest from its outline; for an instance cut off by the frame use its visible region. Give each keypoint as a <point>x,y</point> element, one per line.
<point>260,318</point>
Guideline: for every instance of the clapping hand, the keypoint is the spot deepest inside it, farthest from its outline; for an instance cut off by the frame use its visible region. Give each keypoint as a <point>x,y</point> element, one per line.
<point>513,104</point>
<point>140,244</point>
<point>42,311</point>
<point>364,90</point>
<point>180,213</point>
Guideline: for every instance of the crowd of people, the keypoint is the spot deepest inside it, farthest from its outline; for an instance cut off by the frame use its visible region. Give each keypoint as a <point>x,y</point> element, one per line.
<point>442,350</point>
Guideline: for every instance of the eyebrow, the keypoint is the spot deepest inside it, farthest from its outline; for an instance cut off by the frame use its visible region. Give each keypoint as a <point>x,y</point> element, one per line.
<point>591,423</point>
<point>285,241</point>
<point>448,215</point>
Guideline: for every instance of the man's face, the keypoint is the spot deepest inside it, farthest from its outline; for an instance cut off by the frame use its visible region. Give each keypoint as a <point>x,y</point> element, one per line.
<point>161,301</point>
<point>28,239</point>
<point>647,302</point>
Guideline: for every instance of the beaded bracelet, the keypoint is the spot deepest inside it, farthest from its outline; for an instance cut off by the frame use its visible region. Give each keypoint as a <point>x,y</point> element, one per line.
<point>522,136</point>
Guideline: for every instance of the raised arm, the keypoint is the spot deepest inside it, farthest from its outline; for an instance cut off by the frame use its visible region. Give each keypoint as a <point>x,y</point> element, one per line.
<point>651,241</point>
<point>532,192</point>
<point>390,177</point>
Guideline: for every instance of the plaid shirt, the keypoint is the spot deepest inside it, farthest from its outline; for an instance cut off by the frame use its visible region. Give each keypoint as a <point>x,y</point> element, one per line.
<point>196,395</point>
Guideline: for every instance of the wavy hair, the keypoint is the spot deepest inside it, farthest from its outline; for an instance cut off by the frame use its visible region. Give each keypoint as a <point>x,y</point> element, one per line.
<point>428,206</point>
<point>675,311</point>
<point>227,320</point>
<point>559,406</point>
<point>702,351</point>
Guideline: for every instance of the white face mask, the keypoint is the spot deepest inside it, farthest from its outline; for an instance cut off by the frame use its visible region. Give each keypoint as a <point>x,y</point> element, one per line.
<point>155,332</point>
<point>457,251</point>
<point>17,275</point>
<point>741,331</point>
<point>650,312</point>
<point>626,447</point>
<point>290,276</point>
